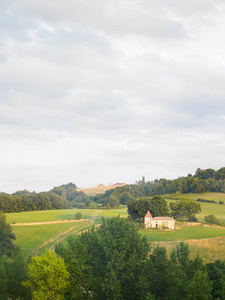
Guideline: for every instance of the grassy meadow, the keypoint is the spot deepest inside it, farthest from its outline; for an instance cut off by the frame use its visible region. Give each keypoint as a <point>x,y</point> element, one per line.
<point>41,237</point>
<point>207,196</point>
<point>30,237</point>
<point>183,233</point>
<point>208,241</point>
<point>60,215</point>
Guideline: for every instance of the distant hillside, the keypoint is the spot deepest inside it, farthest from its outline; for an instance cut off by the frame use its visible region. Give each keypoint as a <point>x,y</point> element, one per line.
<point>100,189</point>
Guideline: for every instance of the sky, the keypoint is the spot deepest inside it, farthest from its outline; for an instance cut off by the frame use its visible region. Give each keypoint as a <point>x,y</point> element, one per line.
<point>99,91</point>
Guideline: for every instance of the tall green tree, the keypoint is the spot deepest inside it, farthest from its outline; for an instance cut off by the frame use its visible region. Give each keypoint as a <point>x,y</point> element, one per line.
<point>184,208</point>
<point>6,236</point>
<point>156,205</point>
<point>108,263</point>
<point>200,287</point>
<point>47,277</point>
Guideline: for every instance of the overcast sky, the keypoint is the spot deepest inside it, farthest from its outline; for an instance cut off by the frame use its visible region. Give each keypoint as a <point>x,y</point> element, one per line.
<point>99,91</point>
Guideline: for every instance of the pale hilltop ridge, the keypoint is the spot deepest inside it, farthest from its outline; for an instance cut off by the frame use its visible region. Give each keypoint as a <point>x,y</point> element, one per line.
<point>100,188</point>
<point>111,184</point>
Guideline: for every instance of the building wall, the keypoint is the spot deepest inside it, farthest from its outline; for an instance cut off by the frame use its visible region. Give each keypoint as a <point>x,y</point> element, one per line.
<point>160,223</point>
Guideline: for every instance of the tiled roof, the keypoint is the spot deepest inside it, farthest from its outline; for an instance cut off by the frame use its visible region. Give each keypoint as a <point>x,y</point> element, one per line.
<point>162,218</point>
<point>148,215</point>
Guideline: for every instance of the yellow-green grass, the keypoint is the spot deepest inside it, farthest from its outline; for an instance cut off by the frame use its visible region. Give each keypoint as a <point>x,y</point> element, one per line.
<point>113,212</point>
<point>32,236</point>
<point>48,215</point>
<point>59,215</point>
<point>207,196</point>
<point>184,233</point>
<point>209,250</point>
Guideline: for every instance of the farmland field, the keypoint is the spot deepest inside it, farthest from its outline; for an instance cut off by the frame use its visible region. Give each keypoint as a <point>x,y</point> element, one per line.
<point>207,196</point>
<point>209,242</point>
<point>30,237</point>
<point>184,233</point>
<point>59,215</point>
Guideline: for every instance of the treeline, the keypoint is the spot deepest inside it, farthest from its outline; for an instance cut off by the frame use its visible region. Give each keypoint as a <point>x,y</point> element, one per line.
<point>32,202</point>
<point>112,262</point>
<point>207,180</point>
<point>62,197</point>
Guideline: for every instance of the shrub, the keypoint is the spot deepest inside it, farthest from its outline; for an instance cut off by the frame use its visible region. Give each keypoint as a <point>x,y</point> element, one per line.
<point>193,219</point>
<point>211,219</point>
<point>78,216</point>
<point>180,220</point>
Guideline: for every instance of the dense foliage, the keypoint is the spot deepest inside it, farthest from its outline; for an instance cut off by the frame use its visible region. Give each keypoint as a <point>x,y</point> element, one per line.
<point>112,262</point>
<point>69,192</point>
<point>62,197</point>
<point>6,236</point>
<point>185,208</point>
<point>138,208</point>
<point>32,202</point>
<point>50,270</point>
<point>207,180</point>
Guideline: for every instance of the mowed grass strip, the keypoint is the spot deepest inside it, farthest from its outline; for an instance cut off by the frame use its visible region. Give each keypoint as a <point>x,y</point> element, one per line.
<point>60,215</point>
<point>48,215</point>
<point>207,196</point>
<point>113,212</point>
<point>30,237</point>
<point>184,233</point>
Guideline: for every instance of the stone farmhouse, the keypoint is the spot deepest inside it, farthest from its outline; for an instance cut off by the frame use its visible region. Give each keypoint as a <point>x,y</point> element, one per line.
<point>158,222</point>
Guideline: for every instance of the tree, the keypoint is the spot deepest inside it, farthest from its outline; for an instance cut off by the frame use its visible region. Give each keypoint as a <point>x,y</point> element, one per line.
<point>216,273</point>
<point>112,201</point>
<point>47,277</point>
<point>6,236</point>
<point>78,216</point>
<point>157,205</point>
<point>92,205</point>
<point>200,287</point>
<point>107,263</point>
<point>125,198</point>
<point>185,208</point>
<point>211,219</point>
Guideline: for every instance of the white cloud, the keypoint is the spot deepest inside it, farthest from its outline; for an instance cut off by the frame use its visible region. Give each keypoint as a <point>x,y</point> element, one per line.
<point>102,91</point>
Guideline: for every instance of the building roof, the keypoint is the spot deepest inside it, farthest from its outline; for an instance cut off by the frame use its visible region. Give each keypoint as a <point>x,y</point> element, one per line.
<point>162,218</point>
<point>148,215</point>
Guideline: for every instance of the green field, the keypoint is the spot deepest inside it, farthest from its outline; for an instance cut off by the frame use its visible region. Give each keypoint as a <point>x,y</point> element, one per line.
<point>184,233</point>
<point>207,196</point>
<point>30,237</point>
<point>209,242</point>
<point>59,215</point>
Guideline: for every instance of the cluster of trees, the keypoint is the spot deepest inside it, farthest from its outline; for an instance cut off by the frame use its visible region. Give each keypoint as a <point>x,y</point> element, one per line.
<point>62,197</point>
<point>207,180</point>
<point>32,202</point>
<point>183,208</point>
<point>112,262</point>
<point>69,193</point>
<point>157,205</point>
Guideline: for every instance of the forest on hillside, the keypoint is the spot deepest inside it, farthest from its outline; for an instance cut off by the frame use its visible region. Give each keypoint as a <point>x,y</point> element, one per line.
<point>207,180</point>
<point>67,195</point>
